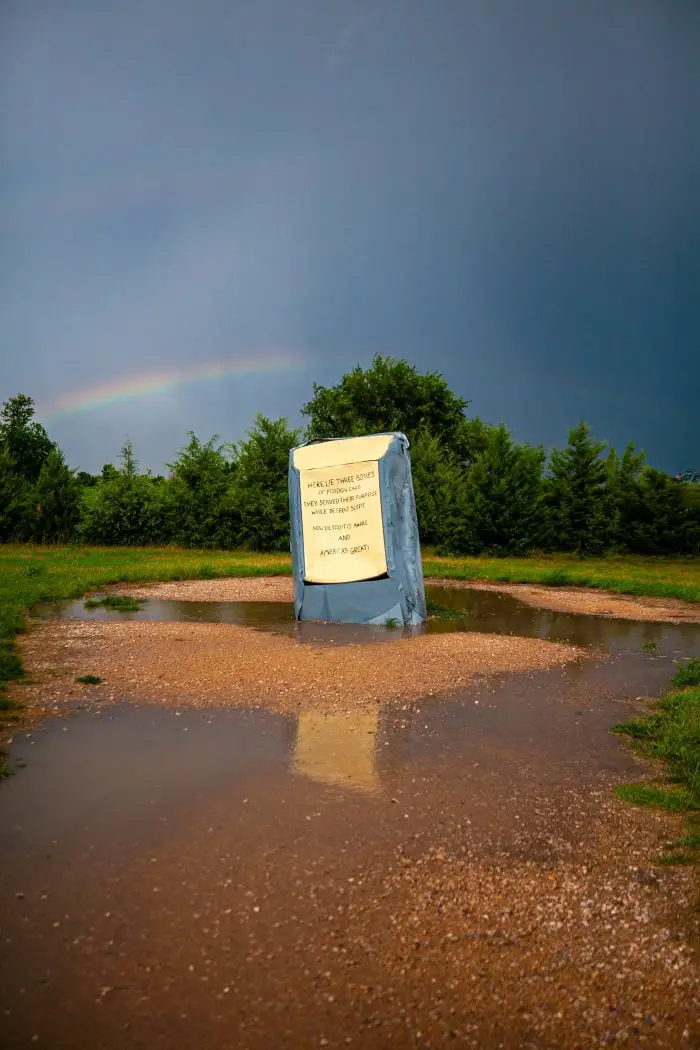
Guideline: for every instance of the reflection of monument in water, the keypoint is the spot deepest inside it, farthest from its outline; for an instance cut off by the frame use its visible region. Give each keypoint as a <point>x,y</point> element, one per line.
<point>338,749</point>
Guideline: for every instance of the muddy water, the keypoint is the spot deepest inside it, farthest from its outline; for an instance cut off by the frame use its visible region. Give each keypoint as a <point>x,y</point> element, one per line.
<point>185,878</point>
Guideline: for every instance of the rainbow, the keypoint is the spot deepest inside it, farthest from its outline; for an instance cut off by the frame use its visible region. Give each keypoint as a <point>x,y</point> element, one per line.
<point>113,391</point>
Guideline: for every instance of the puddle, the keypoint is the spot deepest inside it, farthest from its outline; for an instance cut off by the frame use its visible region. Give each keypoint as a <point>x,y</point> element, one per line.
<point>504,614</point>
<point>117,766</point>
<point>484,612</point>
<point>264,615</point>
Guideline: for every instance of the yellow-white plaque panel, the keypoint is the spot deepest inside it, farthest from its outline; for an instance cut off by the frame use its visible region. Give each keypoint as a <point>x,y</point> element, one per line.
<point>341,519</point>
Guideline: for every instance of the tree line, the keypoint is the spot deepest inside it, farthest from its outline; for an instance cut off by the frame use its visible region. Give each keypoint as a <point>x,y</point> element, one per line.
<point>477,490</point>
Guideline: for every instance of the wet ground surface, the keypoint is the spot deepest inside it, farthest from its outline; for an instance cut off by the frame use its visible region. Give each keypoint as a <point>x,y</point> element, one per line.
<point>484,612</point>
<point>454,873</point>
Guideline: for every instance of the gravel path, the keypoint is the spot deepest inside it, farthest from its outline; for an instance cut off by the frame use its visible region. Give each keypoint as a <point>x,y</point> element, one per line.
<point>233,589</point>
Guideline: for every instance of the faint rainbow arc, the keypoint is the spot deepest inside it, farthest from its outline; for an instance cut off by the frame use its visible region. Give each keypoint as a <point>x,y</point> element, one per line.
<point>114,391</point>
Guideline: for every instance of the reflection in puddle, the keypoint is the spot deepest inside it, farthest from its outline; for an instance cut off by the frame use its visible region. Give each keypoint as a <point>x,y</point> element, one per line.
<point>338,749</point>
<point>95,769</point>
<point>484,611</point>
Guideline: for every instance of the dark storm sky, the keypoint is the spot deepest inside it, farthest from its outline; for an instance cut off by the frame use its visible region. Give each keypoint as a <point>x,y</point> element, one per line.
<point>505,191</point>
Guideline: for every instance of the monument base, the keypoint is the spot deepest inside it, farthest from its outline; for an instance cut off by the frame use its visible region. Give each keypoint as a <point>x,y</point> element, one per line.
<point>368,601</point>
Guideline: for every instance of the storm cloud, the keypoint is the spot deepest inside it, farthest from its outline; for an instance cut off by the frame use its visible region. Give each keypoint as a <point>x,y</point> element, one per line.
<point>508,192</point>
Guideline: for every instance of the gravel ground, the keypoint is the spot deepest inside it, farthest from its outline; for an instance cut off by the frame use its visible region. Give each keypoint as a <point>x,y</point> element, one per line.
<point>233,589</point>
<point>204,664</point>
<point>566,957</point>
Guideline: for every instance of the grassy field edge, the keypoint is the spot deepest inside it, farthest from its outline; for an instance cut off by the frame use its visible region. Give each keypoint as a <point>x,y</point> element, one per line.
<point>652,577</point>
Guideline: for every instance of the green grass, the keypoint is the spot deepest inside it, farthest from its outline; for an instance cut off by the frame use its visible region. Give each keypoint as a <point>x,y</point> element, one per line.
<point>683,850</point>
<point>10,708</point>
<point>692,840</point>
<point>121,603</point>
<point>659,577</point>
<point>89,679</point>
<point>671,733</point>
<point>659,798</point>
<point>677,858</point>
<point>31,574</point>
<point>688,674</point>
<point>649,647</point>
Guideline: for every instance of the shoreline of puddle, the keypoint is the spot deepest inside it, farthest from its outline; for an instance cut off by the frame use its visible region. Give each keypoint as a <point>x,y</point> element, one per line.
<point>484,612</point>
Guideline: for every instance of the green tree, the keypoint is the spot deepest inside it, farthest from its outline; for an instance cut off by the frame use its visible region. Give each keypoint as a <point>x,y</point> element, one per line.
<point>126,508</point>
<point>393,395</point>
<point>25,440</point>
<point>505,496</point>
<point>439,483</point>
<point>623,496</point>
<point>260,485</point>
<point>579,518</point>
<point>200,495</point>
<point>57,500</point>
<point>668,519</point>
<point>15,501</point>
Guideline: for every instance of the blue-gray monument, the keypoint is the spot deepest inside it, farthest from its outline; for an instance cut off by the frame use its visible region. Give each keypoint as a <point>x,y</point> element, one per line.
<point>354,532</point>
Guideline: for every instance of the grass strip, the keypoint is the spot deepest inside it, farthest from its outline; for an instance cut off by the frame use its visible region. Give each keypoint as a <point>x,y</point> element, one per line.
<point>671,733</point>
<point>654,577</point>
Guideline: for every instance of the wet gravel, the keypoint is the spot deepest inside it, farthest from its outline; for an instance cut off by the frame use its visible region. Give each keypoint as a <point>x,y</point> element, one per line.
<point>205,664</point>
<point>233,589</point>
<point>271,911</point>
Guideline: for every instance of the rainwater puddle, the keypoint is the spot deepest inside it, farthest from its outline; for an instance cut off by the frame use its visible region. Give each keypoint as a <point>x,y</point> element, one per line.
<point>265,615</point>
<point>116,769</point>
<point>484,612</point>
